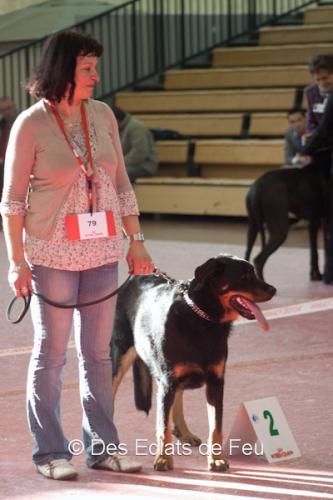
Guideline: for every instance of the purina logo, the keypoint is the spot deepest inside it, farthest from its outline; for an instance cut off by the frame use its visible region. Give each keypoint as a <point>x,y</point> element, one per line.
<point>255,418</point>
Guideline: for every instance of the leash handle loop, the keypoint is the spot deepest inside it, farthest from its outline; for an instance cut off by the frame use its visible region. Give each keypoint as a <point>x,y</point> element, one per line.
<point>27,300</point>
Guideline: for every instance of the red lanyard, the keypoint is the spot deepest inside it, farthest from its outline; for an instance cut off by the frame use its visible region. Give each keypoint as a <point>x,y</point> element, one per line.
<point>80,163</point>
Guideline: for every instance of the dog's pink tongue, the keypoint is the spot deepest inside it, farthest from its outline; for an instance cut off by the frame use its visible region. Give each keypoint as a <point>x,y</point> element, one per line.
<point>255,309</point>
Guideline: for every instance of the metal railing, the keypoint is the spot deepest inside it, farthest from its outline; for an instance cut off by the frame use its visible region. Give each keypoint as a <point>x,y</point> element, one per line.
<point>143,38</point>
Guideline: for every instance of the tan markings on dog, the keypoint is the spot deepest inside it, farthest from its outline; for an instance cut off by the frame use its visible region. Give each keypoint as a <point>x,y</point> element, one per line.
<point>215,436</point>
<point>182,369</point>
<point>181,431</point>
<point>216,458</point>
<point>218,369</point>
<point>126,362</point>
<point>163,459</point>
<point>230,313</point>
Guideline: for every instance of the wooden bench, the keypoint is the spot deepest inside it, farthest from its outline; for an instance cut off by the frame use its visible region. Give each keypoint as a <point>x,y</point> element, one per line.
<point>240,77</point>
<point>221,158</point>
<point>219,124</point>
<point>239,152</point>
<point>268,124</point>
<point>202,101</point>
<point>317,15</point>
<point>213,124</point>
<point>287,35</point>
<point>194,196</point>
<point>268,55</point>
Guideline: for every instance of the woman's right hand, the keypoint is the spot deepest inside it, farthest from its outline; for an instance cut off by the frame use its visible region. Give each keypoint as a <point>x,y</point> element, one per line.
<point>19,278</point>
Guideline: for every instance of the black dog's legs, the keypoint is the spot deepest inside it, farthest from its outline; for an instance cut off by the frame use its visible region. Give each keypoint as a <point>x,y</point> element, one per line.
<point>276,238</point>
<point>165,398</point>
<point>315,274</point>
<point>214,393</point>
<point>252,232</point>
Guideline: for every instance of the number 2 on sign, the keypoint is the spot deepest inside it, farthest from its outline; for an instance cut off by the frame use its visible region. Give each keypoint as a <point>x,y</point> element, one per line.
<point>272,431</point>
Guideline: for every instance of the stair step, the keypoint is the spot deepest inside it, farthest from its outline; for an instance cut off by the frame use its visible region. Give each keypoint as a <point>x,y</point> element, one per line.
<point>244,77</point>
<point>201,101</point>
<point>286,35</point>
<point>268,55</point>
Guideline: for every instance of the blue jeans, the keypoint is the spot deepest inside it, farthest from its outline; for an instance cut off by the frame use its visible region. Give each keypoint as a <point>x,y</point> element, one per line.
<point>93,328</point>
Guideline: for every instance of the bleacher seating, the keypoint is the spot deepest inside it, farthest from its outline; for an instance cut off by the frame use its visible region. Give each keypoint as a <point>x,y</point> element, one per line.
<point>244,77</point>
<point>219,124</point>
<point>235,113</point>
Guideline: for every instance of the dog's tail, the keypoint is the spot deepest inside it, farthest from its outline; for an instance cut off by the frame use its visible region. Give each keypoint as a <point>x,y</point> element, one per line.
<point>255,220</point>
<point>143,386</point>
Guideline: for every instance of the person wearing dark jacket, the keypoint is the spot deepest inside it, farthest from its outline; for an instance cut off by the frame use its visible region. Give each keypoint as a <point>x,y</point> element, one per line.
<point>138,146</point>
<point>321,140</point>
<point>321,68</point>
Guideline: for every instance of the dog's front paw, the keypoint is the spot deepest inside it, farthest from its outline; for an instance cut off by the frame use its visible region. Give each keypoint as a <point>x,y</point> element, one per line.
<point>163,462</point>
<point>187,437</point>
<point>218,463</point>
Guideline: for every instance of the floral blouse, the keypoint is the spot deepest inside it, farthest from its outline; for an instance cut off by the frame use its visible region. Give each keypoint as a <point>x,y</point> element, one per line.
<point>78,255</point>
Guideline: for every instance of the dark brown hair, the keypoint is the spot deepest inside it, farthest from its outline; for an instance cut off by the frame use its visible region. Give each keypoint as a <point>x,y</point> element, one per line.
<point>295,110</point>
<point>56,69</point>
<point>321,61</point>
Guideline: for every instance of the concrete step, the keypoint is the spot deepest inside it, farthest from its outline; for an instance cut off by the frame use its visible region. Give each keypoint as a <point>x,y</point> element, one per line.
<point>201,101</point>
<point>288,35</point>
<point>268,55</point>
<point>244,77</point>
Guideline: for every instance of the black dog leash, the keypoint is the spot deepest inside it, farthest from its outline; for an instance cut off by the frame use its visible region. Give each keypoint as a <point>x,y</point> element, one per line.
<point>27,300</point>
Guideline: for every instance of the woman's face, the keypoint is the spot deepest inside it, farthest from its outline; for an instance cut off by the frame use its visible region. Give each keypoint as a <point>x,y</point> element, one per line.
<point>86,76</point>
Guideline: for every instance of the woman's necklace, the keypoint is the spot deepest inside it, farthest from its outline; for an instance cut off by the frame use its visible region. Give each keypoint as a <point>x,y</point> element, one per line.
<point>71,122</point>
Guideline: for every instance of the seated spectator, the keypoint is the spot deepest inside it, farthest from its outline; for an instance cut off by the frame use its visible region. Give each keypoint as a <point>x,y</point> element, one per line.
<point>293,147</point>
<point>8,113</point>
<point>138,146</point>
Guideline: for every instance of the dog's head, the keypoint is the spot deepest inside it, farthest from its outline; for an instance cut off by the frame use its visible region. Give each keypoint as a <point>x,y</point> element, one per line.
<point>234,284</point>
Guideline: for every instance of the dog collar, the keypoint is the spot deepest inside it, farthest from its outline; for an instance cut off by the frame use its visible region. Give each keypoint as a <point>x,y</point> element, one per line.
<point>196,308</point>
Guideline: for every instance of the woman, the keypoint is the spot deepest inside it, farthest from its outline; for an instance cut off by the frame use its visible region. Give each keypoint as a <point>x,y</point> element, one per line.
<point>67,189</point>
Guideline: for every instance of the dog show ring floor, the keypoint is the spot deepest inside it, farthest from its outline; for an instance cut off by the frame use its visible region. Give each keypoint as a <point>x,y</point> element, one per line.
<point>292,362</point>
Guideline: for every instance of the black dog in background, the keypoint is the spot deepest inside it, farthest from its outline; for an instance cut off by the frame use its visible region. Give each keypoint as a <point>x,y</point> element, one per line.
<point>276,195</point>
<point>178,333</point>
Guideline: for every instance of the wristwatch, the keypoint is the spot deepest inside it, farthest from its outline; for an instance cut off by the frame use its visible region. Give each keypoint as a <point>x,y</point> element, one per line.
<point>136,237</point>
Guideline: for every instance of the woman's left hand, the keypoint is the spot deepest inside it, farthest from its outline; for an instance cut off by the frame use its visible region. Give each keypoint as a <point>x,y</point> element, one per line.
<point>138,259</point>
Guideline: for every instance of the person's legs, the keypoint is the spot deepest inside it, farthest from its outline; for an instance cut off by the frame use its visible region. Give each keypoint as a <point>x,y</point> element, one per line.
<point>135,171</point>
<point>328,231</point>
<point>52,330</point>
<point>93,329</point>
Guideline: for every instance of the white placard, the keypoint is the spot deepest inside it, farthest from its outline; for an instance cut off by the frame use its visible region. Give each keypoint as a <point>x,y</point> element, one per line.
<point>261,428</point>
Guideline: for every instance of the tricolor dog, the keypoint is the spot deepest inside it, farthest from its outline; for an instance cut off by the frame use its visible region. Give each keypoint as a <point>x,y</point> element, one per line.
<point>177,333</point>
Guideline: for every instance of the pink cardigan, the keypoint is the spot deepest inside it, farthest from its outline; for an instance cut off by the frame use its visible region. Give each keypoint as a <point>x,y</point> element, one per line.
<point>39,158</point>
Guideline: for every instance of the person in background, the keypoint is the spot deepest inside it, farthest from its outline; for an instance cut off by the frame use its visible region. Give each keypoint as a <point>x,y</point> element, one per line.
<point>66,201</point>
<point>8,114</point>
<point>293,146</point>
<point>321,68</point>
<point>138,146</point>
<point>317,95</point>
<point>321,140</point>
